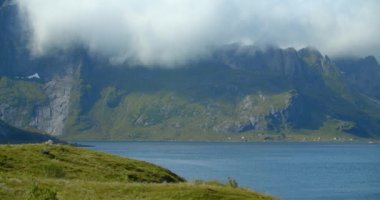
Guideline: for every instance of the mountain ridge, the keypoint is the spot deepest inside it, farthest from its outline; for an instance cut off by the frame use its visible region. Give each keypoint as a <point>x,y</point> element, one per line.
<point>224,80</point>
<point>238,91</point>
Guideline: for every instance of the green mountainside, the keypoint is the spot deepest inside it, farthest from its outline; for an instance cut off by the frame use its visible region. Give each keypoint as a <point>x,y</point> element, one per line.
<point>303,96</point>
<point>233,95</point>
<point>66,172</point>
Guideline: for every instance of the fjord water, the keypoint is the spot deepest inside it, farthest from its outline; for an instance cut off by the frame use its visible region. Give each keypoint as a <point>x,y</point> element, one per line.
<point>312,171</point>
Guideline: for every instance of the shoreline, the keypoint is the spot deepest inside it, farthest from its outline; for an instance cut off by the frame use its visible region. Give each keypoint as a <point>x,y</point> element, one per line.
<point>78,142</point>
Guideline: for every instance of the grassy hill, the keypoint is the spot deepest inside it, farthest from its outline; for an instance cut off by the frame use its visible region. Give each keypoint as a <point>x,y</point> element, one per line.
<point>65,172</point>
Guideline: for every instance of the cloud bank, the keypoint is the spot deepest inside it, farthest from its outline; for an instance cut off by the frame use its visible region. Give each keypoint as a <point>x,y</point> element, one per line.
<point>171,32</point>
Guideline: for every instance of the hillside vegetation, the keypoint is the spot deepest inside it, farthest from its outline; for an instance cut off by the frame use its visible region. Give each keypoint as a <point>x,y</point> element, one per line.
<point>277,94</point>
<point>64,172</point>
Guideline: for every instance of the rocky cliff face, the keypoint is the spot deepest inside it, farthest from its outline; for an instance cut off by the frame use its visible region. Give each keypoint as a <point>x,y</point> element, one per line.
<point>272,60</point>
<point>259,112</point>
<point>51,116</point>
<point>363,74</point>
<point>38,105</point>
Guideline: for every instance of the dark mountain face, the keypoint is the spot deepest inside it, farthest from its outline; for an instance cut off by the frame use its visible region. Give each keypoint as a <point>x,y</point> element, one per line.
<point>238,91</point>
<point>362,74</point>
<point>15,57</point>
<point>12,135</point>
<point>10,27</point>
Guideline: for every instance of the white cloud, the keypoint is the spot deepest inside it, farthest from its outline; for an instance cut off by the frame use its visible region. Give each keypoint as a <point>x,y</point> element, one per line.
<point>170,32</point>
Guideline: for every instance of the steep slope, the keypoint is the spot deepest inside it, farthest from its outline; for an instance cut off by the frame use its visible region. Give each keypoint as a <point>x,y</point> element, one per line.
<point>26,101</point>
<point>66,172</point>
<point>240,91</point>
<point>363,74</point>
<point>30,103</point>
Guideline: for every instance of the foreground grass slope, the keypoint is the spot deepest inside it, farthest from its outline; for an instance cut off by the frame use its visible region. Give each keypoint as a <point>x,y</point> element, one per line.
<point>65,172</point>
<point>67,162</point>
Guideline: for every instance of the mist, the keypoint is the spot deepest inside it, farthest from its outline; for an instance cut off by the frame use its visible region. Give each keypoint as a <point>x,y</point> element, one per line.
<point>172,32</point>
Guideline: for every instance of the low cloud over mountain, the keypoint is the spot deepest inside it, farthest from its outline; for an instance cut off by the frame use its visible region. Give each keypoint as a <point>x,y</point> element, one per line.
<point>171,32</point>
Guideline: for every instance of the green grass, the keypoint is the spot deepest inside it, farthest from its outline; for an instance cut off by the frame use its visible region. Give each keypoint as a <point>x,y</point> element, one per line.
<point>63,161</point>
<point>20,188</point>
<point>65,172</point>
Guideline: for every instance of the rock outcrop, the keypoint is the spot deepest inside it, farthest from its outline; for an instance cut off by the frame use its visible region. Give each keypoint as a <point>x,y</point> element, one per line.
<point>51,117</point>
<point>38,105</point>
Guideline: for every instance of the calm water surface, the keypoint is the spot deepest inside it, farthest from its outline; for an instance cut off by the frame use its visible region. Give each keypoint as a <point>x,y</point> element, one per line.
<point>286,170</point>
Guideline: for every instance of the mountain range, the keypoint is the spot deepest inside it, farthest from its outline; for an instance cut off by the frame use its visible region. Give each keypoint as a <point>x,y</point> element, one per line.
<point>238,92</point>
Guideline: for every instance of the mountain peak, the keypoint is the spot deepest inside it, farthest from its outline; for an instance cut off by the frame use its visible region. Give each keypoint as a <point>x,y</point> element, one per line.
<point>370,60</point>
<point>311,55</point>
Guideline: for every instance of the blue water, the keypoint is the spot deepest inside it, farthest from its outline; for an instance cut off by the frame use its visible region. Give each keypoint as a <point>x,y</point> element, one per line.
<point>285,170</point>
